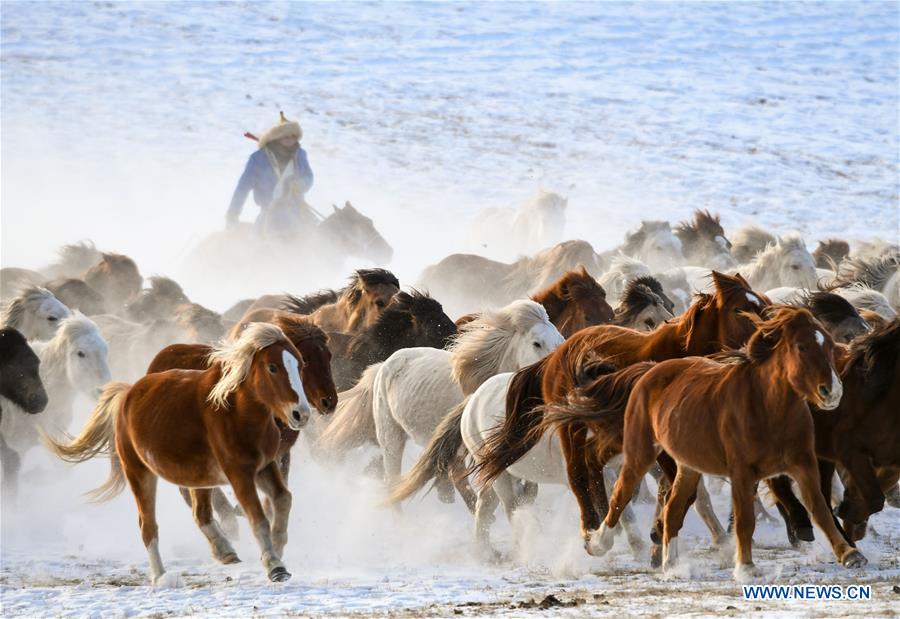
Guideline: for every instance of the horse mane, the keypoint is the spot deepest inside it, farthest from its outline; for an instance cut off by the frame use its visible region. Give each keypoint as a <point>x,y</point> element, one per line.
<point>829,307</point>
<point>394,322</point>
<point>236,358</point>
<point>705,225</point>
<point>299,328</point>
<point>108,262</point>
<point>861,295</point>
<point>765,260</point>
<point>638,295</point>
<point>310,303</point>
<point>576,285</point>
<point>769,332</point>
<point>165,286</point>
<point>30,297</point>
<point>873,272</point>
<point>82,255</point>
<point>875,356</point>
<point>634,240</point>
<point>482,348</point>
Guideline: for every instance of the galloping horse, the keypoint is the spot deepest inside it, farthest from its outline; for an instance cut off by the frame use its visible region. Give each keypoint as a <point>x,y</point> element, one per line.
<point>201,430</point>
<point>35,313</point>
<point>744,415</point>
<point>712,323</point>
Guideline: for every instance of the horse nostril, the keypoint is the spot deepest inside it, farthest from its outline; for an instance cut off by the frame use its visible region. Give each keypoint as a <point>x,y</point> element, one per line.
<point>824,391</point>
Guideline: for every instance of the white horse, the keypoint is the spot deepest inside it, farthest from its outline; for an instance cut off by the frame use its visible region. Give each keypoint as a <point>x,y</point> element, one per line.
<point>654,243</point>
<point>35,312</point>
<point>543,464</point>
<point>74,362</point>
<point>787,262</point>
<point>623,270</point>
<point>416,387</point>
<point>506,233</point>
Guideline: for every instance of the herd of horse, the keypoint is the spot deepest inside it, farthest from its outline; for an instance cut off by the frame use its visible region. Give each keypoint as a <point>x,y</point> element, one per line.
<point>682,353</point>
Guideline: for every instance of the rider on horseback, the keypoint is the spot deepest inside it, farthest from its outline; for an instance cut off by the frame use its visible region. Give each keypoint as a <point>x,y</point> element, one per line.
<point>279,175</point>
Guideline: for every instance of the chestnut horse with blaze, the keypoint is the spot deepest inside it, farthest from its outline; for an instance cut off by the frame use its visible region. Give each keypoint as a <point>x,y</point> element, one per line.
<point>202,429</point>
<point>741,414</point>
<point>712,323</point>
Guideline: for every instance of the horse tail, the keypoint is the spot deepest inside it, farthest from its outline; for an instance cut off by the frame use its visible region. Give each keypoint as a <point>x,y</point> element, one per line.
<point>598,405</point>
<point>438,458</point>
<point>353,424</point>
<point>513,438</point>
<point>96,438</point>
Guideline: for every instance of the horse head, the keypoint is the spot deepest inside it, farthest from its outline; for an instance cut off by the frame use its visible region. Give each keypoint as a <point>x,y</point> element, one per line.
<point>356,235</point>
<point>20,379</point>
<point>805,353</point>
<point>575,301</point>
<point>837,315</point>
<point>79,348</point>
<point>655,244</point>
<point>36,313</point>
<point>643,307</point>
<point>312,343</point>
<point>368,294</point>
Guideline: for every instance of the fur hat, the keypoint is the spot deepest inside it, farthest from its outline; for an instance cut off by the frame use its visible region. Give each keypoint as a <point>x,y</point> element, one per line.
<point>283,129</point>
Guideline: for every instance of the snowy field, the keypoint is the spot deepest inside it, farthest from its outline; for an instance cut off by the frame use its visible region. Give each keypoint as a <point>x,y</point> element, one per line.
<point>123,123</point>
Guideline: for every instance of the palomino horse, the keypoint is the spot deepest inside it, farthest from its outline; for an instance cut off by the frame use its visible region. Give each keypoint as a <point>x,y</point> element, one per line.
<point>20,387</point>
<point>863,434</point>
<point>357,305</point>
<point>201,429</point>
<point>117,278</point>
<point>318,386</point>
<point>743,415</point>
<point>704,243</point>
<point>712,323</point>
<point>35,313</point>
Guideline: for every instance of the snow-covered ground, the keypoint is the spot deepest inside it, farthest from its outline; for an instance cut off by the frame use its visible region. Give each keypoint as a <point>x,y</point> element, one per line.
<point>123,123</point>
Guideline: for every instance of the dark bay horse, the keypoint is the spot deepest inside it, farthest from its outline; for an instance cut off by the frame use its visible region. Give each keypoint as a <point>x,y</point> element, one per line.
<point>863,434</point>
<point>744,415</point>
<point>201,429</point>
<point>712,323</point>
<point>356,306</point>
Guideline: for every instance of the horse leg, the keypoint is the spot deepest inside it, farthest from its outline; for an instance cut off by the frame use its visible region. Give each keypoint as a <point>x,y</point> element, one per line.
<point>222,551</point>
<point>143,485</point>
<point>12,463</point>
<point>806,474</point>
<point>743,490</point>
<point>704,508</point>
<point>826,479</point>
<point>271,482</point>
<point>392,438</point>
<point>664,471</point>
<point>683,491</point>
<point>639,455</point>
<point>461,483</point>
<point>864,484</point>
<point>887,478</point>
<point>243,480</point>
<point>573,445</point>
<point>227,512</point>
<point>485,505</point>
<point>760,511</point>
<point>797,519</point>
<point>629,522</point>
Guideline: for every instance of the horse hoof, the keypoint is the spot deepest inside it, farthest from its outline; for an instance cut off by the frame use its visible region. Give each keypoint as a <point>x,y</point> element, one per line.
<point>599,541</point>
<point>854,559</point>
<point>230,558</point>
<point>744,572</point>
<point>656,556</point>
<point>279,574</point>
<point>805,534</point>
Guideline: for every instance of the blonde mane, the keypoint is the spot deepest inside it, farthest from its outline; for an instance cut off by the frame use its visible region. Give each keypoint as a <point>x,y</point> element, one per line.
<point>236,357</point>
<point>484,348</point>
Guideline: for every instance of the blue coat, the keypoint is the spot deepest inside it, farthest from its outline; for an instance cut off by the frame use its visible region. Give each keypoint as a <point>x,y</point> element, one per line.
<point>259,177</point>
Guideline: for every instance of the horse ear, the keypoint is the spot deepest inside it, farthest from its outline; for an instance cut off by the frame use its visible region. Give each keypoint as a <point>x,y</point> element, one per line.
<point>348,206</point>
<point>335,207</point>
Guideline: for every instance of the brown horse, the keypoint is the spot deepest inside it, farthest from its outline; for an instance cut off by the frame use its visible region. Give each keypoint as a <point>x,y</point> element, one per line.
<point>712,323</point>
<point>574,301</point>
<point>863,434</point>
<point>743,415</point>
<point>354,307</point>
<point>201,430</point>
<point>117,278</point>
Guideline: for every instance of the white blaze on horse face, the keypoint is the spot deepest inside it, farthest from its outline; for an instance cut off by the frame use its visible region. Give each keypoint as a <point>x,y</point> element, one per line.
<point>292,367</point>
<point>753,299</point>
<point>820,338</point>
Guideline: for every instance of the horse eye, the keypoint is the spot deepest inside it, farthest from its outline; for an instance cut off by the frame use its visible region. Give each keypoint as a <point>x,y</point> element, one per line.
<point>379,303</point>
<point>537,344</point>
<point>796,267</point>
<point>52,318</point>
<point>81,354</point>
<point>273,368</point>
<point>649,322</point>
